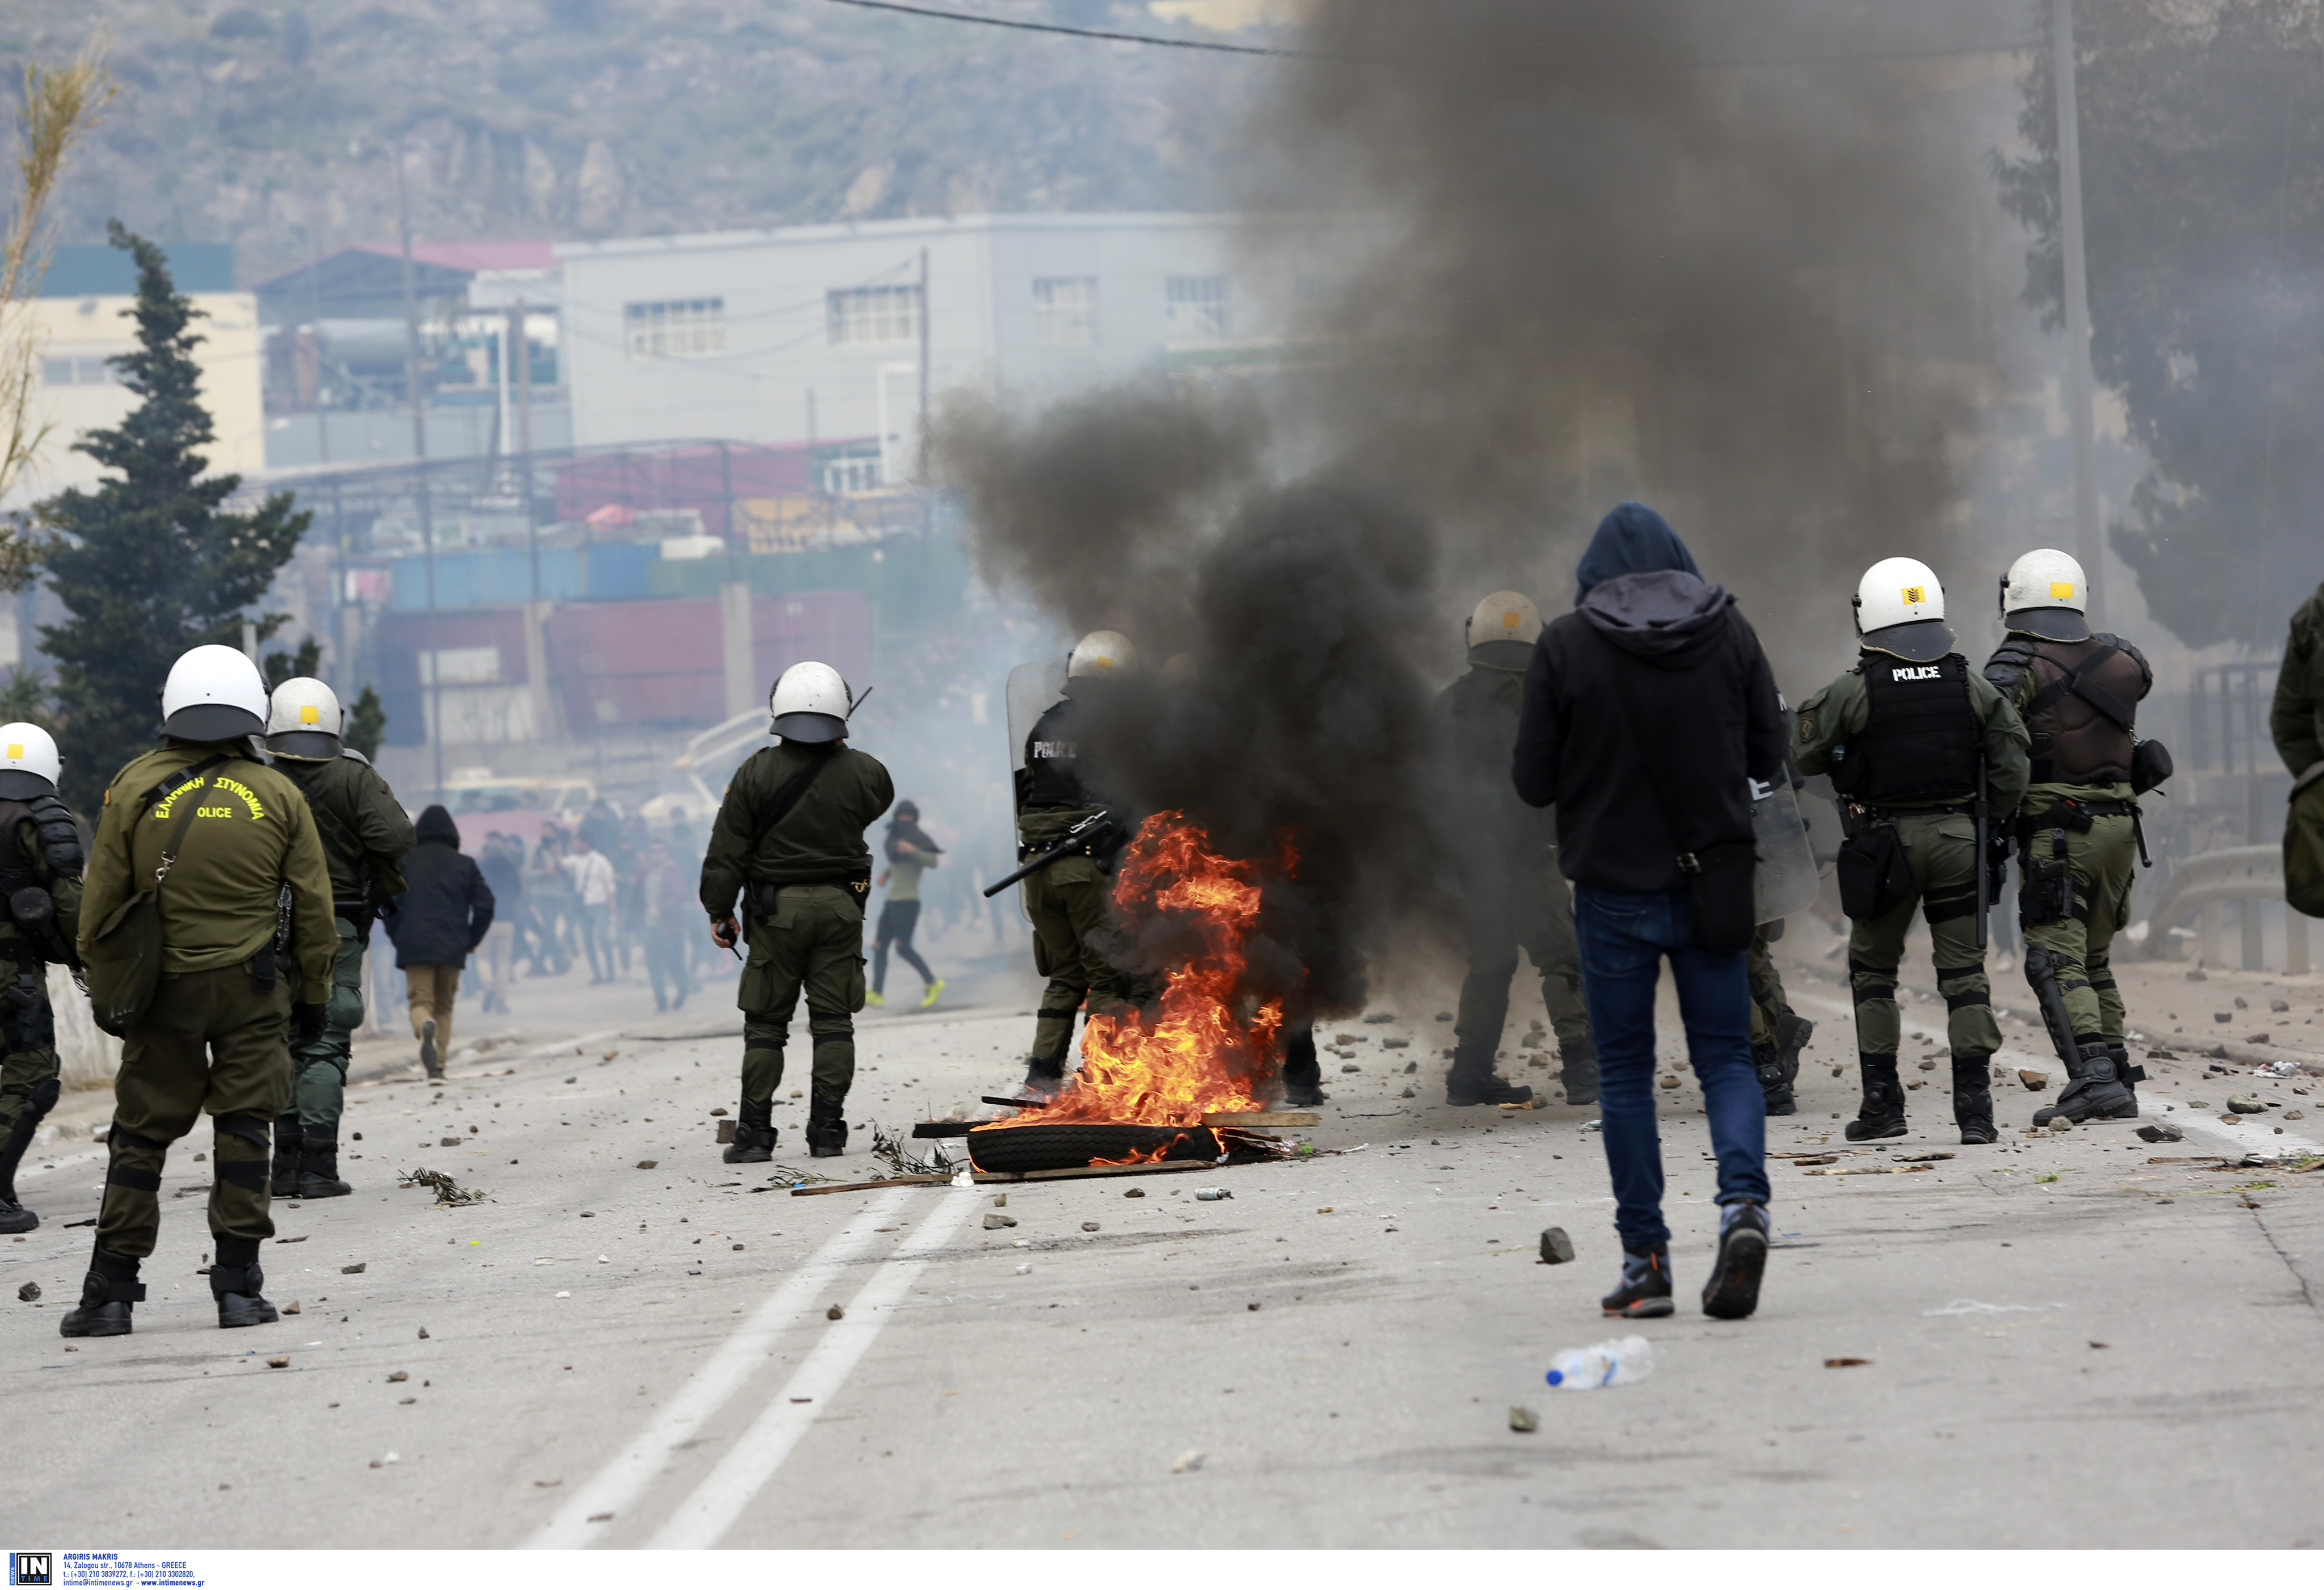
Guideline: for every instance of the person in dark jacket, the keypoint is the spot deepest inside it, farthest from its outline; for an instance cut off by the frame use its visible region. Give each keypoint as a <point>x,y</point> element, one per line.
<point>1654,657</point>
<point>444,914</point>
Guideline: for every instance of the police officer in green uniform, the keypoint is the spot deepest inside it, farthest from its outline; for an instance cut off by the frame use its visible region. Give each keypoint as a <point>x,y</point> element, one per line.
<point>1504,865</point>
<point>365,832</point>
<point>2078,831</point>
<point>40,916</point>
<point>227,850</point>
<point>1904,736</point>
<point>1066,899</point>
<point>2296,719</point>
<point>789,839</point>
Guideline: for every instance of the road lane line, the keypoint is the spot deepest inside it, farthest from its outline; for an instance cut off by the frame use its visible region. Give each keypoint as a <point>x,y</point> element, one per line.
<point>623,1480</point>
<point>703,1518</point>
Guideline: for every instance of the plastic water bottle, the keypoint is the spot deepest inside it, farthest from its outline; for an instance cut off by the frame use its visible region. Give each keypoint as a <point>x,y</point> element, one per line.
<point>1613,1363</point>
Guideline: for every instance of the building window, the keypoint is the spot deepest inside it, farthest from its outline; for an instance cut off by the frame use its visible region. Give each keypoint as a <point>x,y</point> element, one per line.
<point>874,314</point>
<point>676,329</point>
<point>1064,311</point>
<point>76,370</point>
<point>1196,309</point>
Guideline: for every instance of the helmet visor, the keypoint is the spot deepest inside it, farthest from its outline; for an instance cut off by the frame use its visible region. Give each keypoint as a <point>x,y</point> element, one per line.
<point>2048,623</point>
<point>1924,640</point>
<point>211,721</point>
<point>811,728</point>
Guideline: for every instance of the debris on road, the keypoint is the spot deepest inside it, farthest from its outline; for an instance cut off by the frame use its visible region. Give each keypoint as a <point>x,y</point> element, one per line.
<point>1524,1421</point>
<point>2162,1131</point>
<point>648,1164</point>
<point>1868,1171</point>
<point>1846,1362</point>
<point>1135,1192</point>
<point>1918,1158</point>
<point>383,1462</point>
<point>1556,1247</point>
<point>1089,1225</point>
<point>998,1222</point>
<point>2034,1081</point>
<point>1616,1362</point>
<point>398,1376</point>
<point>725,1131</point>
<point>834,1312</point>
<point>1188,1462</point>
<point>1210,1195</point>
<point>30,1292</point>
<point>423,1333</point>
<point>277,1363</point>
<point>354,1269</point>
<point>446,1190</point>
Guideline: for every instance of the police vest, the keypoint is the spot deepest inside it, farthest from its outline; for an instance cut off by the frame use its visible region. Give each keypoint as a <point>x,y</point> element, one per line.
<point>1053,764</point>
<point>2084,710</point>
<point>1924,736</point>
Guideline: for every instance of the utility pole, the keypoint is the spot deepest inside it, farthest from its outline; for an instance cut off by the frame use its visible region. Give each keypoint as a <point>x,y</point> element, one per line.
<point>921,462</point>
<point>521,359</point>
<point>419,462</point>
<point>2089,547</point>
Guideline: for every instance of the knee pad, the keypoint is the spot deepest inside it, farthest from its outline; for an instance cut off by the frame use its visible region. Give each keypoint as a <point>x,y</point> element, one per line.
<point>42,1098</point>
<point>257,1129</point>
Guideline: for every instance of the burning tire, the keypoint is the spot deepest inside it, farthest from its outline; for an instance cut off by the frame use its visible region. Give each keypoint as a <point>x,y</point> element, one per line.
<point>1073,1147</point>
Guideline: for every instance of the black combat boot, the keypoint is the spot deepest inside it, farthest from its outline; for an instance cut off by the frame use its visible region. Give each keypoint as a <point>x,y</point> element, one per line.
<point>1645,1293</point>
<point>1732,1292</point>
<point>107,1295</point>
<point>1774,1087</point>
<point>1882,1113</point>
<point>1792,1031</point>
<point>15,1218</point>
<point>1973,1099</point>
<point>234,1280</point>
<point>826,1128</point>
<point>1043,1077</point>
<point>1303,1076</point>
<point>319,1169</point>
<point>2092,1091</point>
<point>287,1139</point>
<point>2129,1076</point>
<point>755,1135</point>
<point>1577,1072</point>
<point>1480,1084</point>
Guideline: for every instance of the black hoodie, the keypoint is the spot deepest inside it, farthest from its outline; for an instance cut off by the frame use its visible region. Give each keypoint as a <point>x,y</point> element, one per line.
<point>1705,697</point>
<point>446,907</point>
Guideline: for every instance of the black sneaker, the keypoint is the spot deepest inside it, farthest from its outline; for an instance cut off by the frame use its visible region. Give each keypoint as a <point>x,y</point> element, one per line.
<point>1645,1293</point>
<point>1485,1088</point>
<point>1732,1292</point>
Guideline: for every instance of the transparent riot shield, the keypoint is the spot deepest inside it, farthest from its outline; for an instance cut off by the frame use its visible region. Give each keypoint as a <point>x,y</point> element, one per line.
<point>1033,688</point>
<point>1819,810</point>
<point>1786,880</point>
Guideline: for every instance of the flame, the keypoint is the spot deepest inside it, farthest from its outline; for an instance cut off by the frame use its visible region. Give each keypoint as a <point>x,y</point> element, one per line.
<point>1204,1045</point>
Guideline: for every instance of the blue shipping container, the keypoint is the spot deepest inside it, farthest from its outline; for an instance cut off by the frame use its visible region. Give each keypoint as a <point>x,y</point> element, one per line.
<point>501,577</point>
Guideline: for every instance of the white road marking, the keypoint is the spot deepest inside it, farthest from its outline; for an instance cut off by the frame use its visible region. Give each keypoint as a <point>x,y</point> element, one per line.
<point>703,1518</point>
<point>624,1479</point>
<point>2246,1139</point>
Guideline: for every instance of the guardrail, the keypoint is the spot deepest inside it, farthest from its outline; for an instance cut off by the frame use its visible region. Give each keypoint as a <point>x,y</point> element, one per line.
<point>2243,872</point>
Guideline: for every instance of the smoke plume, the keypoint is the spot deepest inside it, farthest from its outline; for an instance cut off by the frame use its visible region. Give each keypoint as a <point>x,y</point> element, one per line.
<point>1710,255</point>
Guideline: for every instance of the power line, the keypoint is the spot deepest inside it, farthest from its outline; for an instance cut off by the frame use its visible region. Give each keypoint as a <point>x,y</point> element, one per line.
<point>1052,27</point>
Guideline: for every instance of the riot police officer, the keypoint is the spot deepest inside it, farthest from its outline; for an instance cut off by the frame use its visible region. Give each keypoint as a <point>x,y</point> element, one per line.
<point>2078,831</point>
<point>39,884</point>
<point>1906,735</point>
<point>1066,899</point>
<point>1504,856</point>
<point>788,840</point>
<point>216,853</point>
<point>365,833</point>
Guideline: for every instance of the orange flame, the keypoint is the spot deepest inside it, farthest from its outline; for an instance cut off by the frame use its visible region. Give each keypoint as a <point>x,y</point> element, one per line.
<point>1195,1050</point>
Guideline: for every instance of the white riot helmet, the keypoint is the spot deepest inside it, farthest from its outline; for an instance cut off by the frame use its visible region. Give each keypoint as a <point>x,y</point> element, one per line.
<point>1501,632</point>
<point>2044,594</point>
<point>303,721</point>
<point>213,693</point>
<point>810,704</point>
<point>1101,653</point>
<point>29,762</point>
<point>1900,609</point>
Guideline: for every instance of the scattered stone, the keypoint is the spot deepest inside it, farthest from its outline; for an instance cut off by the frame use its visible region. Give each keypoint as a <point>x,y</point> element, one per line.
<point>1325,1210</point>
<point>1670,1082</point>
<point>1445,1015</point>
<point>353,1269</point>
<point>277,1363</point>
<point>1915,1083</point>
<point>2034,1081</point>
<point>834,1312</point>
<point>2162,1131</point>
<point>398,1376</point>
<point>648,1164</point>
<point>1135,1192</point>
<point>2244,1104</point>
<point>1188,1462</point>
<point>423,1333</point>
<point>1835,1071</point>
<point>1024,1269</point>
<point>2196,1103</point>
<point>2279,1005</point>
<point>1380,1018</point>
<point>448,1143</point>
<point>1001,1200</point>
<point>2223,1016</point>
<point>1928,1065</point>
<point>2242,1003</point>
<point>1556,1247</point>
<point>2295,1115</point>
<point>1345,1069</point>
<point>30,1292</point>
<point>551,1485</point>
<point>1845,1363</point>
<point>722,1109</point>
<point>1410,1066</point>
<point>1524,1421</point>
<point>2232,1120</point>
<point>2258,1037</point>
<point>998,1222</point>
<point>290,1307</point>
<point>1396,1043</point>
<point>1089,1225</point>
<point>2199,976</point>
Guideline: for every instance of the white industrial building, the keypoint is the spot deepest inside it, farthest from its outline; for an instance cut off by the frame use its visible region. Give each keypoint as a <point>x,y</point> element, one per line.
<point>807,334</point>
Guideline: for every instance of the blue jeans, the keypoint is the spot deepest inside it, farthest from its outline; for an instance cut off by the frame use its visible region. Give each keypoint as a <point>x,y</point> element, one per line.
<point>1624,938</point>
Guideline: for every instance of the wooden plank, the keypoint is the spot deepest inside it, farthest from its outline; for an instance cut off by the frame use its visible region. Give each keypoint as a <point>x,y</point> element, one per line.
<point>1870,1170</point>
<point>1263,1118</point>
<point>809,1192</point>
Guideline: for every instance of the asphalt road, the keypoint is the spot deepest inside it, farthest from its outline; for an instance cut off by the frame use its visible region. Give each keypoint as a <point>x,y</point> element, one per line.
<point>2064,1343</point>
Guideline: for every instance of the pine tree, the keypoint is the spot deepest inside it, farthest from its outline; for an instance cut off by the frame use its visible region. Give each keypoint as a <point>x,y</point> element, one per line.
<point>147,564</point>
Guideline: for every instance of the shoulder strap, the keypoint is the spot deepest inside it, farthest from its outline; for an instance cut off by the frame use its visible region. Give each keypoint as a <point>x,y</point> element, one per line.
<point>350,848</point>
<point>793,788</point>
<point>164,790</point>
<point>2051,694</point>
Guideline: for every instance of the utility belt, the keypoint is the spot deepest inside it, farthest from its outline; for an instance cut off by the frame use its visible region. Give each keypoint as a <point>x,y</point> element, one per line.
<point>358,914</point>
<point>2046,891</point>
<point>759,899</point>
<point>1889,813</point>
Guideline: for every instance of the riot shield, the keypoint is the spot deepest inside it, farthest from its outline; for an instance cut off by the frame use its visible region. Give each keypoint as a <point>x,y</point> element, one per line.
<point>1819,810</point>
<point>1786,880</point>
<point>1033,688</point>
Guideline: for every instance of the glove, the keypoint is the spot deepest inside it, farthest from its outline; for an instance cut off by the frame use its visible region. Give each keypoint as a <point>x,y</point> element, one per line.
<point>306,1024</point>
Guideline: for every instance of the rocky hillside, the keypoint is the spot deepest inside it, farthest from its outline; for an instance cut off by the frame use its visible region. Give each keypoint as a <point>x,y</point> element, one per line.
<point>274,126</point>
